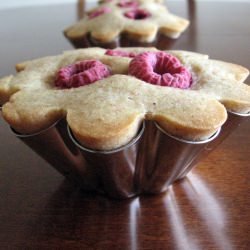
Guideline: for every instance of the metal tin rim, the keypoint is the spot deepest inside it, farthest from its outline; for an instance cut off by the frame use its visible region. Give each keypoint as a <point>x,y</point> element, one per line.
<point>188,141</point>
<point>239,114</point>
<point>17,134</point>
<point>132,142</point>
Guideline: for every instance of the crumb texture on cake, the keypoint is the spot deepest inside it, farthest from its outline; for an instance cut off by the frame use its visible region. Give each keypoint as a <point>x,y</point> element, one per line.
<point>109,112</point>
<point>108,26</point>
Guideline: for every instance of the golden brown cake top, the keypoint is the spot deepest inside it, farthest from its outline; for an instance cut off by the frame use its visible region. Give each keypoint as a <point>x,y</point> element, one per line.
<point>107,113</point>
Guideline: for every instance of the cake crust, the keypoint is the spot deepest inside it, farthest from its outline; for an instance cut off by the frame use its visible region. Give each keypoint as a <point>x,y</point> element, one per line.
<point>108,113</point>
<point>107,27</point>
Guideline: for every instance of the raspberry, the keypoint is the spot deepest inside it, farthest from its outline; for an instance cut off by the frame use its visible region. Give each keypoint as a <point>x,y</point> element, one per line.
<point>160,68</point>
<point>128,4</point>
<point>121,53</point>
<point>81,73</point>
<point>137,14</point>
<point>99,12</point>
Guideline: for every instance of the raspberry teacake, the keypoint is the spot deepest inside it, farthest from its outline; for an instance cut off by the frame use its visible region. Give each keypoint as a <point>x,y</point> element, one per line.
<point>160,68</point>
<point>81,73</point>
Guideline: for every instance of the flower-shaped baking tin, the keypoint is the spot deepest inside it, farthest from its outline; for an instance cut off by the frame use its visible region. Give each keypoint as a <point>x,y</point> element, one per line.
<point>180,125</point>
<point>124,22</point>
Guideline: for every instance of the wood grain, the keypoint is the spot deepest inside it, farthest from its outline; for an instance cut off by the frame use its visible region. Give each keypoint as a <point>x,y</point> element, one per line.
<point>207,210</point>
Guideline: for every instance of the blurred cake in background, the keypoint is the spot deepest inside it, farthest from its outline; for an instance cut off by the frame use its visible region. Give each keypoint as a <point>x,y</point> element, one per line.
<point>126,23</point>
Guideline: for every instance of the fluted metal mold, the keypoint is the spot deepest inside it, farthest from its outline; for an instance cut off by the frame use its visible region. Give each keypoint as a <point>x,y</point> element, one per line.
<point>149,163</point>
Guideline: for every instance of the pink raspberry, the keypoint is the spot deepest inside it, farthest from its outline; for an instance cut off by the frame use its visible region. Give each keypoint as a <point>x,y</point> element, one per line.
<point>160,68</point>
<point>121,53</point>
<point>128,4</point>
<point>137,14</point>
<point>99,12</point>
<point>81,73</point>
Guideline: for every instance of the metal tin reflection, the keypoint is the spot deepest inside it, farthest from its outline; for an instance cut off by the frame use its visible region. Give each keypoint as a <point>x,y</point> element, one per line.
<point>56,148</point>
<point>168,156</point>
<point>233,121</point>
<point>114,170</point>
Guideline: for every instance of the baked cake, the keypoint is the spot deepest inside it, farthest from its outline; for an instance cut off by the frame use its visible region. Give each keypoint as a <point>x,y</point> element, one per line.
<point>106,94</point>
<point>115,20</point>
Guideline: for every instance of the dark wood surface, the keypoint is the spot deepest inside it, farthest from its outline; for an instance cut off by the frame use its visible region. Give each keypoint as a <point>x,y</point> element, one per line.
<point>207,210</point>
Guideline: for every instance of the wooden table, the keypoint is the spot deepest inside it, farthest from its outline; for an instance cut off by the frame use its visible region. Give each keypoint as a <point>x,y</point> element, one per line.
<point>207,210</point>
